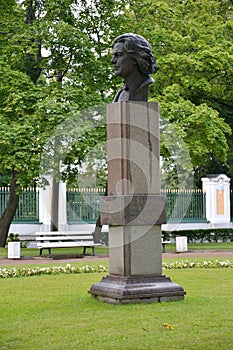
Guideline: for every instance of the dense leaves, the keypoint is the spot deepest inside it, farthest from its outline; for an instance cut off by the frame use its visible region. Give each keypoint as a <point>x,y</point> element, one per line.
<point>44,44</point>
<point>54,64</point>
<point>192,42</point>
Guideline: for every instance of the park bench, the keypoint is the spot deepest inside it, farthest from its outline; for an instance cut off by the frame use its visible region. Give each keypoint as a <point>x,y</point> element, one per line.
<point>65,239</point>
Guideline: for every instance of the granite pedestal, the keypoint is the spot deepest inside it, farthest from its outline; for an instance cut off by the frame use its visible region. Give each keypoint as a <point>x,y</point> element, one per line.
<point>134,209</point>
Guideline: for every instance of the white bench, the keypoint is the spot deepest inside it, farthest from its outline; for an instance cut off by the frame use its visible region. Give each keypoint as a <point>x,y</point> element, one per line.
<point>65,239</point>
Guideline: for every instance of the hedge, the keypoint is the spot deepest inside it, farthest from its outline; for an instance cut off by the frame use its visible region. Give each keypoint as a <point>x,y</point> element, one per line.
<point>210,235</point>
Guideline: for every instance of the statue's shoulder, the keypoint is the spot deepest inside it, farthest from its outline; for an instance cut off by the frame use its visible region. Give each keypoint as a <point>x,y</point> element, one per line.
<point>119,93</point>
<point>146,82</point>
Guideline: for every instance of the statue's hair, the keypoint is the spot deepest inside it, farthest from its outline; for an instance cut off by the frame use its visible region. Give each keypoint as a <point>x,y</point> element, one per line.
<point>140,49</point>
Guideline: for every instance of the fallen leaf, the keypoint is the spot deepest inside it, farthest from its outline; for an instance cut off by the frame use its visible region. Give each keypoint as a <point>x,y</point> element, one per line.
<point>168,326</point>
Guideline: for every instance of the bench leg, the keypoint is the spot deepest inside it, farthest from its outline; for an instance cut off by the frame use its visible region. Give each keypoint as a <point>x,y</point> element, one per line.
<point>93,250</point>
<point>49,250</point>
<point>41,250</point>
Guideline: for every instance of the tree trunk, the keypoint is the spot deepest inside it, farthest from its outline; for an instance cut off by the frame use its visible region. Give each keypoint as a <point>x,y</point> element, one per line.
<point>56,173</point>
<point>9,212</point>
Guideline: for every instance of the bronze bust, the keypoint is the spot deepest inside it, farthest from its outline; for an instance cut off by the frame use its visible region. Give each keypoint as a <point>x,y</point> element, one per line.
<point>133,61</point>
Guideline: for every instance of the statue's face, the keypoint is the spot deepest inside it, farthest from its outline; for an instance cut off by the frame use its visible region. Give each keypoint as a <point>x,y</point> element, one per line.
<point>124,65</point>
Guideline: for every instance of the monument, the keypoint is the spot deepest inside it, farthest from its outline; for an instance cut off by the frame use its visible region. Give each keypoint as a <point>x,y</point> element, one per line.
<point>134,208</point>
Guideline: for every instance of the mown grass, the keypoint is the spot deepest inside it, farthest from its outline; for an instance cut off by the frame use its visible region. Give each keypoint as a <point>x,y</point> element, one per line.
<point>56,251</point>
<point>203,246</point>
<point>56,313</point>
<point>104,250</point>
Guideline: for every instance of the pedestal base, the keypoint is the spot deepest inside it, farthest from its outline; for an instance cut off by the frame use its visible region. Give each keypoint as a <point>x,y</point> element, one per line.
<point>138,289</point>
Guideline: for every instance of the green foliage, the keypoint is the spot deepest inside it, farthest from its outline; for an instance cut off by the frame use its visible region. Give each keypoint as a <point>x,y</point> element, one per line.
<point>192,43</point>
<point>210,235</point>
<point>53,64</point>
<point>70,42</point>
<point>44,44</point>
<point>195,124</point>
<point>19,134</point>
<point>13,237</point>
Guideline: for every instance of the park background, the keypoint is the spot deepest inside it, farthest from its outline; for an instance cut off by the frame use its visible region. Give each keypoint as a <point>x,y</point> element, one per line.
<point>54,63</point>
<point>56,79</point>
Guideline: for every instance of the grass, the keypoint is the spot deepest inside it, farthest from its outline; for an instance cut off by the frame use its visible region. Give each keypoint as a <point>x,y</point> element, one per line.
<point>204,246</point>
<point>104,250</point>
<point>96,263</point>
<point>56,313</point>
<point>56,251</point>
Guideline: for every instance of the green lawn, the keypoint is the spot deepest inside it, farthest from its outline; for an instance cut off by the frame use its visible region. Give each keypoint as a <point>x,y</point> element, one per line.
<point>57,251</point>
<point>56,313</point>
<point>204,246</point>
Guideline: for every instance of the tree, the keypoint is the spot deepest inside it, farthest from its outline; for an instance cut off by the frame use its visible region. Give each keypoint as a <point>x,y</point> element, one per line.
<point>192,42</point>
<point>53,63</point>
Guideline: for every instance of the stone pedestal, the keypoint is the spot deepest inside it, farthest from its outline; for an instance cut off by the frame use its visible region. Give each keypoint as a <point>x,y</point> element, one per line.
<point>137,289</point>
<point>134,209</point>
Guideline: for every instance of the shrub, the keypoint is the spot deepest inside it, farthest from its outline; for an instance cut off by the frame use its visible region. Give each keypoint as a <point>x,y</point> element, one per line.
<point>210,235</point>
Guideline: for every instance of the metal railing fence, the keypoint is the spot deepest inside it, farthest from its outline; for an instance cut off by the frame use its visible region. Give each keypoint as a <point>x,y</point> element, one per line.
<point>185,205</point>
<point>83,205</point>
<point>182,205</point>
<point>28,208</point>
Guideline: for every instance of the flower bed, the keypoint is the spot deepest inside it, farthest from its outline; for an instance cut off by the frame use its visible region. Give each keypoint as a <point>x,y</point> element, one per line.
<point>36,271</point>
<point>205,264</point>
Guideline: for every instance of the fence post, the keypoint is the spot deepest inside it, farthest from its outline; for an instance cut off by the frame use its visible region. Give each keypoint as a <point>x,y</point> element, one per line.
<point>217,188</point>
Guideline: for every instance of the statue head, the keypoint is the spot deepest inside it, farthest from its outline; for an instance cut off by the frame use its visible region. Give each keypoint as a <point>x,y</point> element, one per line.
<point>138,50</point>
